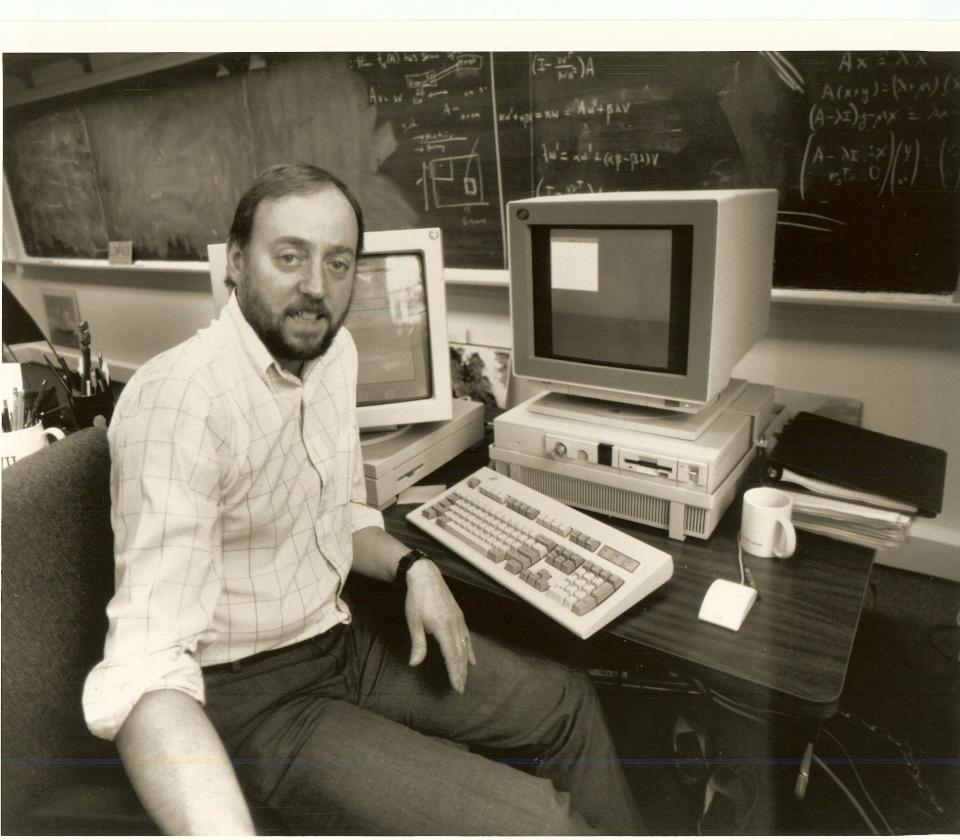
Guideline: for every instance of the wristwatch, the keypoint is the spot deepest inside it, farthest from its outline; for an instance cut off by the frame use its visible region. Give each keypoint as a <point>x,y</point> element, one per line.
<point>404,565</point>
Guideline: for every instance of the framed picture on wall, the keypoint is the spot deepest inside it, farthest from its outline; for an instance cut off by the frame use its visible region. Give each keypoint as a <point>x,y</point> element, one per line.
<point>63,318</point>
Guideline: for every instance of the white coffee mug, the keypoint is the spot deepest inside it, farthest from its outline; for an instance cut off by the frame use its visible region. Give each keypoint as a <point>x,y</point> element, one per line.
<point>23,442</point>
<point>766,529</point>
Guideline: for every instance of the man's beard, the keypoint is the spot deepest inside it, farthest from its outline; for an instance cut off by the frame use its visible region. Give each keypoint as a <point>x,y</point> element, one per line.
<point>269,328</point>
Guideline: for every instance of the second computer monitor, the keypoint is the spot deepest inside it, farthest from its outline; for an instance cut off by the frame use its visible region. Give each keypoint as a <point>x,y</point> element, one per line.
<point>398,319</point>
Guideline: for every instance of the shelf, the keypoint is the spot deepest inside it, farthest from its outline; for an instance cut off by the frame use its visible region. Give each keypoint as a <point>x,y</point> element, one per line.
<point>902,301</point>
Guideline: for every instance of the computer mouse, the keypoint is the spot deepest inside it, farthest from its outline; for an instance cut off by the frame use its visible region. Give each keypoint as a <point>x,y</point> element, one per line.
<point>727,603</point>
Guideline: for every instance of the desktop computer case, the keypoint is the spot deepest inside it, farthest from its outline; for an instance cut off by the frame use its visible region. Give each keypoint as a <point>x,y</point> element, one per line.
<point>681,512</point>
<point>521,451</point>
<point>391,466</point>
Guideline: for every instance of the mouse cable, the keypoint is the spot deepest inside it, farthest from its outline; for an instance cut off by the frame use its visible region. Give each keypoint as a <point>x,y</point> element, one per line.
<point>859,779</point>
<point>846,791</point>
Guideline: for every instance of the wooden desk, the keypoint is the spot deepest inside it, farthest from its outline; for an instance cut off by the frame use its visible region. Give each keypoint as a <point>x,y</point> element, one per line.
<point>794,645</point>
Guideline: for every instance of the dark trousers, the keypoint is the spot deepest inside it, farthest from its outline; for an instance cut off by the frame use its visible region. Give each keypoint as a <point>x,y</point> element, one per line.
<point>341,735</point>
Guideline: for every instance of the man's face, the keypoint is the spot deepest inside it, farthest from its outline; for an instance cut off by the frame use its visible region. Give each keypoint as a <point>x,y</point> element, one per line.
<point>295,276</point>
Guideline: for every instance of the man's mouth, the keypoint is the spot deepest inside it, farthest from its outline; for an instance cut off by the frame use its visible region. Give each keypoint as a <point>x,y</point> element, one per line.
<point>307,315</point>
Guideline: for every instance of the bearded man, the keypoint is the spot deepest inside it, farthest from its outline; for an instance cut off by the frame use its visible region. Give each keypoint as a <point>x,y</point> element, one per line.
<point>235,669</point>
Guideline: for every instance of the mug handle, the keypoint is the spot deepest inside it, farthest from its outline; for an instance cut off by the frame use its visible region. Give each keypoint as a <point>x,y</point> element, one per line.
<point>788,544</point>
<point>54,432</point>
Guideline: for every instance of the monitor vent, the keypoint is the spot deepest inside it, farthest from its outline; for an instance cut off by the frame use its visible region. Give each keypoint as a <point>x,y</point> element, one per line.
<point>637,507</point>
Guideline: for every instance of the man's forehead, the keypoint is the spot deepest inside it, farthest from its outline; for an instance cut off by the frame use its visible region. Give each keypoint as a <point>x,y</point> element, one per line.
<point>306,215</point>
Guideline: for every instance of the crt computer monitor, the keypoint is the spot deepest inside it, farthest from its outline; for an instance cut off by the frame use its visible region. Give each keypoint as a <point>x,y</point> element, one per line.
<point>398,320</point>
<point>648,298</point>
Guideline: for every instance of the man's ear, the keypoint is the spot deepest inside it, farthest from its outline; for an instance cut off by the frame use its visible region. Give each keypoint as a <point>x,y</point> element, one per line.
<point>236,262</point>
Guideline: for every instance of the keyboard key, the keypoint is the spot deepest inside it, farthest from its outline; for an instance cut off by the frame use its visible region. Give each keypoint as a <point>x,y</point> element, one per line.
<point>628,564</point>
<point>603,591</point>
<point>584,605</point>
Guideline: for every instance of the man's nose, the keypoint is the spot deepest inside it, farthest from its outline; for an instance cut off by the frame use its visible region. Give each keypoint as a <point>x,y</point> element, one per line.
<point>313,281</point>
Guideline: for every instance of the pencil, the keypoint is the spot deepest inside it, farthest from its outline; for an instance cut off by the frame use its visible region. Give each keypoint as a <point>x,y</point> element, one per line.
<point>31,417</point>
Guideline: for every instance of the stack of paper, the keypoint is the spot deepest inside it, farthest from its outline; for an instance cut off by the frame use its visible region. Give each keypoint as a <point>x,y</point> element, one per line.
<point>862,524</point>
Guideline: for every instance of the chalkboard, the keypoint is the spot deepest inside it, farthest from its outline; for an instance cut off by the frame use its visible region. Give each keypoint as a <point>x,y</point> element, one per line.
<point>864,148</point>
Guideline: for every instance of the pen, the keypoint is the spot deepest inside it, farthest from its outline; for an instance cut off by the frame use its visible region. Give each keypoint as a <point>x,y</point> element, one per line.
<point>31,417</point>
<point>56,373</point>
<point>15,413</point>
<point>85,369</point>
<point>59,358</point>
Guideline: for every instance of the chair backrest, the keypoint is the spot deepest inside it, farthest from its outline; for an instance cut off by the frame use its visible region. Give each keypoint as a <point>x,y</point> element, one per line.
<point>57,556</point>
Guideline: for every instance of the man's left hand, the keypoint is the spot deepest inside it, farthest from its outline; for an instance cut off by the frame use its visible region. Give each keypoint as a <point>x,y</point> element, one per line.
<point>431,608</point>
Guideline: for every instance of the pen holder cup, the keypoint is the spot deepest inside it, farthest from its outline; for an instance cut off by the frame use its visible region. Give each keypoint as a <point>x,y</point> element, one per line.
<point>87,409</point>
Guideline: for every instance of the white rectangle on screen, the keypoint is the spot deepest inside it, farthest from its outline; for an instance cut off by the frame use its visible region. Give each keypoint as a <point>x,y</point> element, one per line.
<point>574,262</point>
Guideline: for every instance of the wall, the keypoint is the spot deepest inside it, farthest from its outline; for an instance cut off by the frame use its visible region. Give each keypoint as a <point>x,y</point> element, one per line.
<point>903,365</point>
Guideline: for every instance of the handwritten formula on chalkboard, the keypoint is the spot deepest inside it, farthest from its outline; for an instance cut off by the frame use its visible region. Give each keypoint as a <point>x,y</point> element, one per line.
<point>863,147</point>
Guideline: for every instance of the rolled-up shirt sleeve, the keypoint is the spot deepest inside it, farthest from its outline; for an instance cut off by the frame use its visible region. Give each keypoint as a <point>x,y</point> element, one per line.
<point>165,483</point>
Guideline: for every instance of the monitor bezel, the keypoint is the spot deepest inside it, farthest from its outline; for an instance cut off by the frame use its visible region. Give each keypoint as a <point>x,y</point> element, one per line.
<point>428,245</point>
<point>622,210</point>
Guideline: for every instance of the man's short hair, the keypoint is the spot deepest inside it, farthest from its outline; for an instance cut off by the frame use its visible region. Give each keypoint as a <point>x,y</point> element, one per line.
<point>279,181</point>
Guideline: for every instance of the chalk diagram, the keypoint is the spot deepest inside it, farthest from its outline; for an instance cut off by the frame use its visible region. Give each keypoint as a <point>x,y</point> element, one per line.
<point>451,180</point>
<point>454,181</point>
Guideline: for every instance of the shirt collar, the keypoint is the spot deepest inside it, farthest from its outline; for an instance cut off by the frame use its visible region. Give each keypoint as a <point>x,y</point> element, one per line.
<point>247,338</point>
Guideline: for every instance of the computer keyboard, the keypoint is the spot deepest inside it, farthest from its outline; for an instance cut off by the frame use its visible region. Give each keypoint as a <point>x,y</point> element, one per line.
<point>579,571</point>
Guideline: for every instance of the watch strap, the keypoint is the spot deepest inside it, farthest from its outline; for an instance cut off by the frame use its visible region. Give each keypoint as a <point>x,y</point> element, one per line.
<point>404,565</point>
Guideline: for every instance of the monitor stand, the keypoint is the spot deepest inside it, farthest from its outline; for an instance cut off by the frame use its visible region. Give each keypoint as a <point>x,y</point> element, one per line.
<point>371,437</point>
<point>638,418</point>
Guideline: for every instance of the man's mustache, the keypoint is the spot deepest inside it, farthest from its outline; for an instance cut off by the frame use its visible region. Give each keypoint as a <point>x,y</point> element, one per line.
<point>311,307</point>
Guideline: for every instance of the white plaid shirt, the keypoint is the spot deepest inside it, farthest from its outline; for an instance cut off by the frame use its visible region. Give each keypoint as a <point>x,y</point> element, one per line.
<point>236,489</point>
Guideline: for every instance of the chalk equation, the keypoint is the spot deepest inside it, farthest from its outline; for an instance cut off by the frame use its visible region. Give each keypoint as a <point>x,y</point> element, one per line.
<point>888,164</point>
<point>883,121</point>
<point>568,66</point>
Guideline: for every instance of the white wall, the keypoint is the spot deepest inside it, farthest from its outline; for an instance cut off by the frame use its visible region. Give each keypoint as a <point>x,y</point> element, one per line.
<point>903,365</point>
<point>133,314</point>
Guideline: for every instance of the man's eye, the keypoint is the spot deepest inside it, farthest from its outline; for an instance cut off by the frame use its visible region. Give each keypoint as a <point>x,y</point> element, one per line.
<point>289,258</point>
<point>340,266</point>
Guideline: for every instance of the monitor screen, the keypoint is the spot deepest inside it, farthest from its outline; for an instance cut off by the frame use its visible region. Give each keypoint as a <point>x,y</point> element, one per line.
<point>648,298</point>
<point>613,296</point>
<point>388,321</point>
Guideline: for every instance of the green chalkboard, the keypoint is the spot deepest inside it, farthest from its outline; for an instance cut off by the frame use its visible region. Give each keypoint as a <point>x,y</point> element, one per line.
<point>864,148</point>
